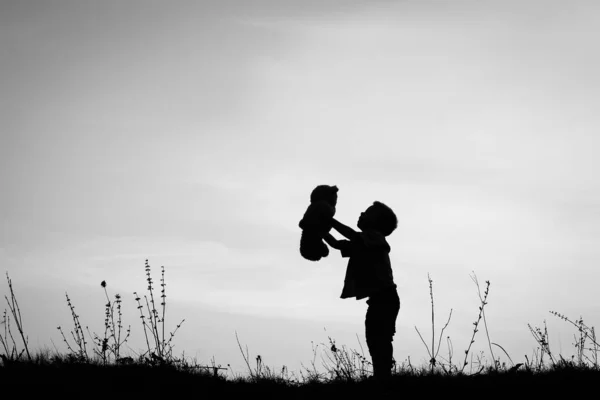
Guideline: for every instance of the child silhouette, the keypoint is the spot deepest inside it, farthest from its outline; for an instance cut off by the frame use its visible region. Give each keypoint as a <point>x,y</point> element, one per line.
<point>369,274</point>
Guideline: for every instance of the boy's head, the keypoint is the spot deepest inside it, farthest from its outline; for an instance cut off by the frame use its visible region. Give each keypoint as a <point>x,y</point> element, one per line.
<point>378,217</point>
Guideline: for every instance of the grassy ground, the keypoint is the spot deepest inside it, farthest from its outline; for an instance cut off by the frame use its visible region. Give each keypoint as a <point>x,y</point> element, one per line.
<point>59,377</point>
<point>95,365</point>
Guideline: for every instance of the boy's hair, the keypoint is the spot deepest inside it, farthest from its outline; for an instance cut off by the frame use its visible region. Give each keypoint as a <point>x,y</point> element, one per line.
<point>386,221</point>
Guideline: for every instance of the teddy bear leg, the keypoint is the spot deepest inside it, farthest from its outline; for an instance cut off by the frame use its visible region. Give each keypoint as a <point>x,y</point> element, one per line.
<point>309,247</point>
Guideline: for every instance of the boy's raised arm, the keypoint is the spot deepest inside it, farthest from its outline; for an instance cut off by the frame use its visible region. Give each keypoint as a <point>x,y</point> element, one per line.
<point>344,230</point>
<point>330,240</point>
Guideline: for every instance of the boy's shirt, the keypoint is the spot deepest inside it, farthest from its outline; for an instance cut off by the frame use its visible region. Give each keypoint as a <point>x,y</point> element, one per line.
<point>369,269</point>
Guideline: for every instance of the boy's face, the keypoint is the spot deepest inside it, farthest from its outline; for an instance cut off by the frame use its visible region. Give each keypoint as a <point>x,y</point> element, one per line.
<point>368,218</point>
<point>333,199</point>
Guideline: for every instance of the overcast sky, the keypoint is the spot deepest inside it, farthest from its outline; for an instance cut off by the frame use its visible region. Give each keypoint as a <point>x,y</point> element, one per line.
<point>190,133</point>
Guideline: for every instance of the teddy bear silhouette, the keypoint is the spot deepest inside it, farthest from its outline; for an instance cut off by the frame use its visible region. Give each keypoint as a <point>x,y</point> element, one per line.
<point>317,221</point>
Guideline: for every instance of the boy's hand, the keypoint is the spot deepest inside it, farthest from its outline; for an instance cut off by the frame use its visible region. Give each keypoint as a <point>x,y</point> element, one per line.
<point>330,240</point>
<point>344,230</point>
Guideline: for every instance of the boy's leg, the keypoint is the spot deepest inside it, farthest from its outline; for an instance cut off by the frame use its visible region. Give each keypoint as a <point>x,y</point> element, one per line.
<point>380,327</point>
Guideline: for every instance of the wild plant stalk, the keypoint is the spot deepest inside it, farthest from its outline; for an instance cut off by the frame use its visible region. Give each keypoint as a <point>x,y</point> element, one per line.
<point>109,320</point>
<point>13,305</point>
<point>514,366</point>
<point>254,376</point>
<point>542,338</point>
<point>112,330</point>
<point>585,333</point>
<point>144,323</point>
<point>364,363</point>
<point>10,352</point>
<point>476,323</point>
<point>78,335</point>
<point>344,364</point>
<point>312,374</point>
<point>117,340</point>
<point>535,364</point>
<point>4,343</point>
<point>482,300</point>
<point>115,330</point>
<point>163,297</point>
<point>162,350</point>
<point>152,312</point>
<point>341,368</point>
<point>433,354</point>
<point>450,354</point>
<point>262,372</point>
<point>214,366</point>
